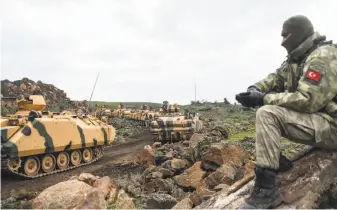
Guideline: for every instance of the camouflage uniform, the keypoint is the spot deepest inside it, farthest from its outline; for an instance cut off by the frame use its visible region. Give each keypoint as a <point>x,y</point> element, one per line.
<point>299,102</point>
<point>302,110</point>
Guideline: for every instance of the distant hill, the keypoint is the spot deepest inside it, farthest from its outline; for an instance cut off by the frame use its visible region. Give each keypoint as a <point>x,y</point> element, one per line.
<point>127,104</point>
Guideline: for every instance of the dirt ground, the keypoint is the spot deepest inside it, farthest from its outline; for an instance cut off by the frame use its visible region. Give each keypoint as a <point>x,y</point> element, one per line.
<point>112,154</point>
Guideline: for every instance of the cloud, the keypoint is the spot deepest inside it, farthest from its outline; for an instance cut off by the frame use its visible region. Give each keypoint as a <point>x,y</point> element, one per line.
<point>150,50</point>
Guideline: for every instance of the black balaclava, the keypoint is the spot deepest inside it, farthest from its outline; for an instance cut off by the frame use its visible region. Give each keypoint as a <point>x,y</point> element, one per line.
<point>298,28</point>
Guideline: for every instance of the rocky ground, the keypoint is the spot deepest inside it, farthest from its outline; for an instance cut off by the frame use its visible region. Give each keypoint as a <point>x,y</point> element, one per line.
<point>214,169</point>
<point>125,128</point>
<point>178,175</point>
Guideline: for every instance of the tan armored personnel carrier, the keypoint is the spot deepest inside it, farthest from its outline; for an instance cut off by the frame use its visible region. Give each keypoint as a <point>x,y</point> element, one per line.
<point>36,143</point>
<point>174,126</point>
<point>119,112</point>
<point>126,114</point>
<point>133,114</point>
<point>151,116</point>
<point>140,115</point>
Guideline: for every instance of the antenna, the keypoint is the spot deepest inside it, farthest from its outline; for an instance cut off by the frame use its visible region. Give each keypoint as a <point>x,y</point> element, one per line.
<point>92,92</point>
<point>195,91</point>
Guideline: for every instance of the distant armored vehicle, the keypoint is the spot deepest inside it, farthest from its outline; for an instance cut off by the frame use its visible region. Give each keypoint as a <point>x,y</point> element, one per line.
<point>174,126</point>
<point>35,142</point>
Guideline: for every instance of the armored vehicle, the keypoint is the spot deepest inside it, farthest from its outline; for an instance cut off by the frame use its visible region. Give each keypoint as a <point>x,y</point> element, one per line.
<point>35,142</point>
<point>175,128</point>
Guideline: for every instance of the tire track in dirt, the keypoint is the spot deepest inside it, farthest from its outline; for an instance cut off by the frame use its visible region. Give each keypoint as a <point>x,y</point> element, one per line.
<point>113,153</point>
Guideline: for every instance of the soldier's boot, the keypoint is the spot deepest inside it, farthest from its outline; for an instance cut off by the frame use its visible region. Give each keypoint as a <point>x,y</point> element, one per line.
<point>284,163</point>
<point>266,192</point>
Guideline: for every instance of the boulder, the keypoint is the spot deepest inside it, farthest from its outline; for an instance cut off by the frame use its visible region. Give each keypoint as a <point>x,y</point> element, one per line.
<point>222,153</point>
<point>88,178</point>
<point>146,156</point>
<point>192,177</point>
<point>64,195</point>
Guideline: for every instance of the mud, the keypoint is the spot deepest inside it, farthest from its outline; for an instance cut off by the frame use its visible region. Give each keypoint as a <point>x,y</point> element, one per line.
<point>112,156</point>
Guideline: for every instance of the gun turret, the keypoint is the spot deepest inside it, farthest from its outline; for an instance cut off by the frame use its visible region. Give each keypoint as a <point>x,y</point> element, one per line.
<point>27,104</point>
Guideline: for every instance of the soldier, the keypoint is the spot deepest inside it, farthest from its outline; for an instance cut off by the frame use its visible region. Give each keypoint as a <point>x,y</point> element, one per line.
<point>299,102</point>
<point>165,106</point>
<point>121,106</point>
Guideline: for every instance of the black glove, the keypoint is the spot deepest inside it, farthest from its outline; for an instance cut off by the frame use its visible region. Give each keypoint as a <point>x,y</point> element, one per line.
<point>250,99</point>
<point>253,89</point>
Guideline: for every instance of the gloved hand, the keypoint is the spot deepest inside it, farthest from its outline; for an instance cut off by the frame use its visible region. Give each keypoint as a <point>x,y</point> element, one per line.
<point>250,99</point>
<point>253,89</point>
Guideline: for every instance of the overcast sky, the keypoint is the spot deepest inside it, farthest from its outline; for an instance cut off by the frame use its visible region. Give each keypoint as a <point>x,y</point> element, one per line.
<point>150,50</point>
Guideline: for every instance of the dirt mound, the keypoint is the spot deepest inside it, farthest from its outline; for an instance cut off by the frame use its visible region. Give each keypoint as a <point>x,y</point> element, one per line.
<point>56,98</point>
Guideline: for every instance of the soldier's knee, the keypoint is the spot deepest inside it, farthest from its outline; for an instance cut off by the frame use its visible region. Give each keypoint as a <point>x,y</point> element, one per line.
<point>268,111</point>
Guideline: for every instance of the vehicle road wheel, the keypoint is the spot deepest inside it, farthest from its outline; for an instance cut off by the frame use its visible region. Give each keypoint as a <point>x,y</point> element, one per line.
<point>75,157</point>
<point>87,155</point>
<point>63,160</point>
<point>48,163</point>
<point>32,166</point>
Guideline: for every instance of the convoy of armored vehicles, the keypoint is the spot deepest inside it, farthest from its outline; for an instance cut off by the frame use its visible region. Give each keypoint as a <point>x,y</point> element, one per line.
<point>166,124</point>
<point>36,142</point>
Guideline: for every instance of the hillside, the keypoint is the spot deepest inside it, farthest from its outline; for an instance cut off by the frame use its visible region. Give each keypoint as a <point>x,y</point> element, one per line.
<point>56,98</point>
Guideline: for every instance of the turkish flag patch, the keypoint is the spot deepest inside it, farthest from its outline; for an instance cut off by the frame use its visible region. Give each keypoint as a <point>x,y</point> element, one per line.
<point>313,75</point>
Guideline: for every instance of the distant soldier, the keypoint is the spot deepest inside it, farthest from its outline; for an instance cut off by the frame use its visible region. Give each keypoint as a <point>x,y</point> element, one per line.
<point>298,102</point>
<point>121,106</point>
<point>165,106</point>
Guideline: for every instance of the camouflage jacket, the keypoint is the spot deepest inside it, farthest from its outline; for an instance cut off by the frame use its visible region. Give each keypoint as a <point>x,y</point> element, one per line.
<point>308,84</point>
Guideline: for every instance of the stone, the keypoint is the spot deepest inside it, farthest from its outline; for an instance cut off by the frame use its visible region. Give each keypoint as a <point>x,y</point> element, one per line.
<point>160,201</point>
<point>185,203</point>
<point>64,195</point>
<point>191,177</point>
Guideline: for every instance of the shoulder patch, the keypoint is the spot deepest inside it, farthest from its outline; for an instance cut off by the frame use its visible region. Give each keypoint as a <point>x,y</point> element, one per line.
<point>313,74</point>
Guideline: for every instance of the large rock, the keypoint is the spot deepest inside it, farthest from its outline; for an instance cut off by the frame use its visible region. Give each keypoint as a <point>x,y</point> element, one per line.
<point>305,186</point>
<point>123,201</point>
<point>222,153</point>
<point>104,185</point>
<point>197,141</point>
<point>178,164</point>
<point>225,174</point>
<point>88,178</point>
<point>147,156</point>
<point>192,177</point>
<point>64,195</point>
<point>94,199</point>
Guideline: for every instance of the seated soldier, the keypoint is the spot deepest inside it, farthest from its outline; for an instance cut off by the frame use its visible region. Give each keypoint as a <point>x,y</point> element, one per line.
<point>298,102</point>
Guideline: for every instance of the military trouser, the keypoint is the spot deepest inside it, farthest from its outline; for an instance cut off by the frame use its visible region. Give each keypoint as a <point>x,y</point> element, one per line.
<point>274,122</point>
